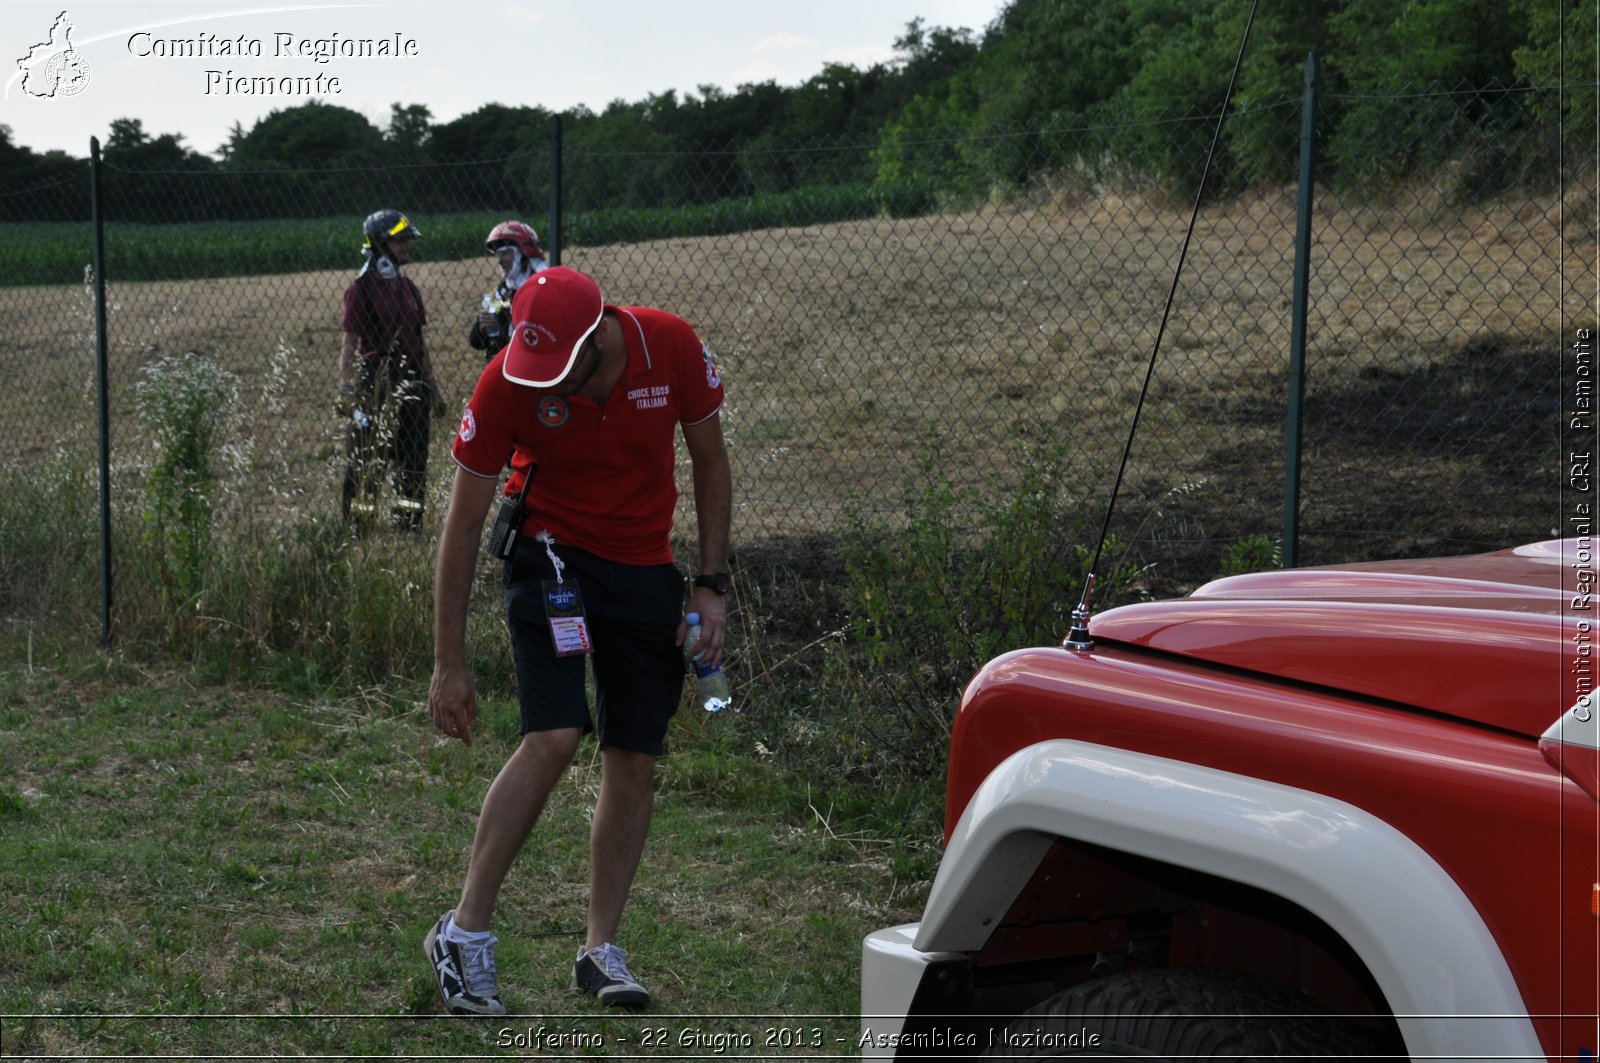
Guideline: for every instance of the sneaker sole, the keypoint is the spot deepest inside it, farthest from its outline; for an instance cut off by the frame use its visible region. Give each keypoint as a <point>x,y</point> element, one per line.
<point>618,996</point>
<point>624,998</point>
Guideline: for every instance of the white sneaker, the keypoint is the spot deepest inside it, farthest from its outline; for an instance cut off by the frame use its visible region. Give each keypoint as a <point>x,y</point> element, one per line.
<point>465,972</point>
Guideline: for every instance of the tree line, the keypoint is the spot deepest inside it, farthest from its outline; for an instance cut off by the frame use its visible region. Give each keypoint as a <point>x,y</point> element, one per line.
<point>1049,87</point>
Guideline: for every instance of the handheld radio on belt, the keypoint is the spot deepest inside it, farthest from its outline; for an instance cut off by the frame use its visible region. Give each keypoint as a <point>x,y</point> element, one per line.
<point>508,522</point>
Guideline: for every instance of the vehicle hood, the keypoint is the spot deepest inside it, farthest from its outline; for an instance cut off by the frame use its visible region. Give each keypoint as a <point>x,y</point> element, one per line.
<point>1501,639</point>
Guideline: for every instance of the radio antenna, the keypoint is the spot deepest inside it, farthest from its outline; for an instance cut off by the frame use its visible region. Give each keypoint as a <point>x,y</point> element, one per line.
<point>1078,637</point>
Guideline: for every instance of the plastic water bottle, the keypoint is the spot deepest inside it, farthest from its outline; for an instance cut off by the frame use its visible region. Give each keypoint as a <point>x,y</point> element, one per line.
<point>491,307</point>
<point>712,680</point>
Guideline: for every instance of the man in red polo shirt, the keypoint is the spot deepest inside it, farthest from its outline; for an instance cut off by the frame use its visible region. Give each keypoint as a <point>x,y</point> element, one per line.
<point>588,400</point>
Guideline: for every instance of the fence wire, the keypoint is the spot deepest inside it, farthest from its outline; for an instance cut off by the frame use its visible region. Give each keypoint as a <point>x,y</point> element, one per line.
<point>867,326</point>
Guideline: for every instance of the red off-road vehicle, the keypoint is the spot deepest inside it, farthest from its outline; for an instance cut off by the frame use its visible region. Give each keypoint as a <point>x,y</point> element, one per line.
<point>1343,812</point>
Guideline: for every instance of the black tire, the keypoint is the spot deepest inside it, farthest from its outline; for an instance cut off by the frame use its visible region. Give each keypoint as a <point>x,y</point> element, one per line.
<point>1178,1014</point>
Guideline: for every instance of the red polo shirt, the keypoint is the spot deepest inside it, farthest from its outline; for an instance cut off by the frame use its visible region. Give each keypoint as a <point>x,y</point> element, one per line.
<point>605,480</point>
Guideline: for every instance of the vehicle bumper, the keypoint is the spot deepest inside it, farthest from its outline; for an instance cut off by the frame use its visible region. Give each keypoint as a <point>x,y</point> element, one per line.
<point>892,970</point>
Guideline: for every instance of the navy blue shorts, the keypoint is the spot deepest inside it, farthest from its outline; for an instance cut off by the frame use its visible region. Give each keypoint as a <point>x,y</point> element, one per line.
<point>633,614</point>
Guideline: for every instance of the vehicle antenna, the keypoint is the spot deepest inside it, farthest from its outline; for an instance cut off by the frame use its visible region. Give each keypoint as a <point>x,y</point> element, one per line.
<point>1078,637</point>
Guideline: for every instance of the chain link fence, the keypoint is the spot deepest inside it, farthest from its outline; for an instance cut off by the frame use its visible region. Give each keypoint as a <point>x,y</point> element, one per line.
<point>868,327</point>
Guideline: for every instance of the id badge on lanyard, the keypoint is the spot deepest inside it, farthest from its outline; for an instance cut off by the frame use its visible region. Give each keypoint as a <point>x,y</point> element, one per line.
<point>563,607</point>
<point>563,604</point>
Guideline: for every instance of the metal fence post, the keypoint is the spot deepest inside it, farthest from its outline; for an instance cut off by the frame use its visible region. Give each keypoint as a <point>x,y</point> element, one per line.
<point>1297,325</point>
<point>105,388</point>
<point>555,190</point>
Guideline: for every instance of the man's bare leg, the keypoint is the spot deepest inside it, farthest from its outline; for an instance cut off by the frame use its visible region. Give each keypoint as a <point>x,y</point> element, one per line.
<point>510,809</point>
<point>617,836</point>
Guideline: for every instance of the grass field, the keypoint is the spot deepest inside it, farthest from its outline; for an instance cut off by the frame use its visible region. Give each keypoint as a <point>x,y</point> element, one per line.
<point>219,872</point>
<point>53,253</point>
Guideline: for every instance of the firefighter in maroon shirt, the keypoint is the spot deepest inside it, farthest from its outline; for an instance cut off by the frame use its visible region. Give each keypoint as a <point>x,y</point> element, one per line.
<point>386,382</point>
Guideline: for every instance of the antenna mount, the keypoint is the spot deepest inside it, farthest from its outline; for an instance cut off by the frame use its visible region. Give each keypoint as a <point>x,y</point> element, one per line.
<point>1078,638</point>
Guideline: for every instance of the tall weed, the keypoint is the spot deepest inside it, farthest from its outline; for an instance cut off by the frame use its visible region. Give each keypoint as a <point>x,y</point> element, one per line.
<point>49,532</point>
<point>306,604</point>
<point>184,403</point>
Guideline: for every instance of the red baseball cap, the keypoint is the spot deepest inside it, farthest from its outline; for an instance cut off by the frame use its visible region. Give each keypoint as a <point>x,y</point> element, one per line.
<point>553,312</point>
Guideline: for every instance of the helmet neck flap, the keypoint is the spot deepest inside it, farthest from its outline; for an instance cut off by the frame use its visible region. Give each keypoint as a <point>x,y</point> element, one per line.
<point>387,268</point>
<point>521,269</point>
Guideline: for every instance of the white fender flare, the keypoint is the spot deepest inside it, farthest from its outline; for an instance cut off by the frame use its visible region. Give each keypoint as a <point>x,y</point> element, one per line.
<point>1418,934</point>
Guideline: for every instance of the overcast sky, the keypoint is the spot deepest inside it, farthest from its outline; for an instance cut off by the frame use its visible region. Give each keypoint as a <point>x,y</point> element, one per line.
<point>456,55</point>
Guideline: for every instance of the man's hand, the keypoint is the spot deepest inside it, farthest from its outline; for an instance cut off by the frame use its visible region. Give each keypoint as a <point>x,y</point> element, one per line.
<point>453,702</point>
<point>451,698</point>
<point>713,612</point>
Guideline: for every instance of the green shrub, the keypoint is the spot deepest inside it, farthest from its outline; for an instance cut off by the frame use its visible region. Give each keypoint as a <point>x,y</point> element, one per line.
<point>1253,553</point>
<point>929,603</point>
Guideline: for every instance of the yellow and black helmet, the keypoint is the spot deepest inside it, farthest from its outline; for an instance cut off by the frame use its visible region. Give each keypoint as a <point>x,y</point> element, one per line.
<point>384,225</point>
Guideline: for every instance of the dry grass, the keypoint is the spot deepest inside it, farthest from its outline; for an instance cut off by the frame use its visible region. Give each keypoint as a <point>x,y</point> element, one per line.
<point>849,348</point>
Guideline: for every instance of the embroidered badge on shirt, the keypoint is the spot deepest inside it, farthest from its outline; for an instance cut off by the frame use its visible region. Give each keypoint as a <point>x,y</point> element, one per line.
<point>553,411</point>
<point>712,379</point>
<point>469,426</point>
<point>651,398</point>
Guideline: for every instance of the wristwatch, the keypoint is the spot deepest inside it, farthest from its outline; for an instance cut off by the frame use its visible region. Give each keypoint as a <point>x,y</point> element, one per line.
<point>717,581</point>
